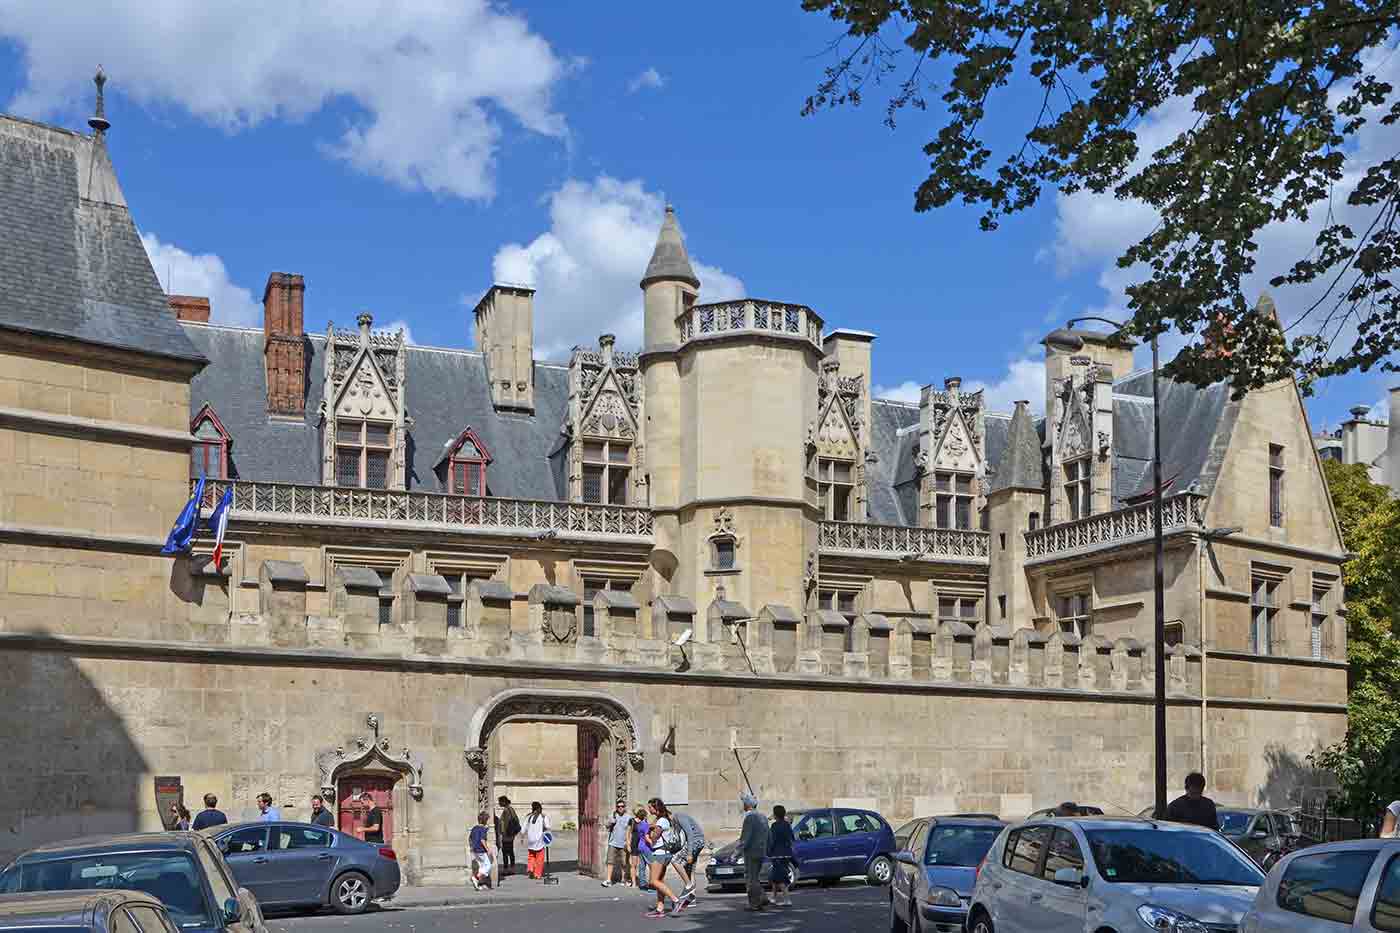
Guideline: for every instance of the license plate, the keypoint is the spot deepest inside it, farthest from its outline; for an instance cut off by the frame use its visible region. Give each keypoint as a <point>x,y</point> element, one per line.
<point>726,871</point>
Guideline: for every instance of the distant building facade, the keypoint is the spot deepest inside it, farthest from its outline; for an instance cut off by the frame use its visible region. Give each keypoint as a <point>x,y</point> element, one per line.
<point>1364,438</point>
<point>922,608</point>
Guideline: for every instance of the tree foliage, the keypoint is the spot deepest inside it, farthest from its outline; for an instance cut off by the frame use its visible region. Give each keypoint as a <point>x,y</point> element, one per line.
<point>1278,91</point>
<point>1367,761</point>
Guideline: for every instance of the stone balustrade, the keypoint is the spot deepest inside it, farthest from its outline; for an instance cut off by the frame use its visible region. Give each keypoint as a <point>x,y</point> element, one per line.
<point>770,318</point>
<point>1181,512</point>
<point>259,500</point>
<point>898,541</point>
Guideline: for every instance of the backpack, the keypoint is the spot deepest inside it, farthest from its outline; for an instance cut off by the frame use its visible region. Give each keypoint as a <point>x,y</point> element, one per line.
<point>674,839</point>
<point>695,836</point>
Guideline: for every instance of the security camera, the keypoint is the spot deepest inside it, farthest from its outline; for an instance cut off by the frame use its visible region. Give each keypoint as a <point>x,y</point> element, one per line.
<point>683,637</point>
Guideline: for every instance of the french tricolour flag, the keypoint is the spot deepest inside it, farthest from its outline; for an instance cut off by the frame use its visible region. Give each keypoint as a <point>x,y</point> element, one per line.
<point>218,523</point>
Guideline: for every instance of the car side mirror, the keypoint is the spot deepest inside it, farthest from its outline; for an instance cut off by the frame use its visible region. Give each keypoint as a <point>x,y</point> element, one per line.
<point>905,857</point>
<point>805,835</point>
<point>233,911</point>
<point>1071,877</point>
<point>1259,834</point>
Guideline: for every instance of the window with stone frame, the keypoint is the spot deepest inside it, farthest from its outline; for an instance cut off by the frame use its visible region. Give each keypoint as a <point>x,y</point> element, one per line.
<point>842,601</point>
<point>723,552</point>
<point>1263,607</point>
<point>1275,486</point>
<point>1173,633</point>
<point>456,582</point>
<point>209,453</point>
<point>466,467</point>
<point>959,609</point>
<point>836,485</point>
<point>362,452</point>
<point>591,586</point>
<point>607,466</point>
<point>386,597</point>
<point>1033,521</point>
<point>1318,615</point>
<point>1079,487</point>
<point>1074,613</point>
<point>952,500</point>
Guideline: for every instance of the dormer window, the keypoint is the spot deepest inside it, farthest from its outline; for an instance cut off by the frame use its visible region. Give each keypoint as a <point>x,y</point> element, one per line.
<point>606,468</point>
<point>209,454</point>
<point>362,450</point>
<point>467,459</point>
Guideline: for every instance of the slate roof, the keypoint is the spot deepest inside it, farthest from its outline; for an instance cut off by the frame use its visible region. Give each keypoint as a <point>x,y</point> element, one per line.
<point>71,262</point>
<point>447,391</point>
<point>669,260</point>
<point>1020,464</point>
<point>894,456</point>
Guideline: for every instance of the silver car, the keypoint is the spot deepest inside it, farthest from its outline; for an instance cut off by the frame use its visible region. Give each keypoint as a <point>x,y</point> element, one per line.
<point>289,864</point>
<point>106,911</point>
<point>1091,874</point>
<point>1340,887</point>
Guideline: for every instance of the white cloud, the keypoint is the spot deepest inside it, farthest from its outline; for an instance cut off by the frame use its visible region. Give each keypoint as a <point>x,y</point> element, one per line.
<point>184,273</point>
<point>651,78</point>
<point>1024,379</point>
<point>586,267</point>
<point>427,79</point>
<point>402,325</point>
<point>906,391</point>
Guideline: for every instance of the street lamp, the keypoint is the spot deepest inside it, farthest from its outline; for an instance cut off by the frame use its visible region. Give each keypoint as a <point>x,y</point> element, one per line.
<point>1068,340</point>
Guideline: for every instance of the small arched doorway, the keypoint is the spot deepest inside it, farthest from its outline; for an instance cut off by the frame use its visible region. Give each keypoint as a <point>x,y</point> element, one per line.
<point>354,813</point>
<point>609,746</point>
<point>372,765</point>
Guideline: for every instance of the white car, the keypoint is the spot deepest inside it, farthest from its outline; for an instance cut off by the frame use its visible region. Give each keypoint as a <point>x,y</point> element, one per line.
<point>1110,875</point>
<point>1340,887</point>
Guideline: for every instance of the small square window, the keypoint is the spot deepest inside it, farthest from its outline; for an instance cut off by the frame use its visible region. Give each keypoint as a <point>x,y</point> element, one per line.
<point>724,553</point>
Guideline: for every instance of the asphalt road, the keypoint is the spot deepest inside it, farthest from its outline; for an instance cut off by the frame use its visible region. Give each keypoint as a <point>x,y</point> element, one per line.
<point>850,907</point>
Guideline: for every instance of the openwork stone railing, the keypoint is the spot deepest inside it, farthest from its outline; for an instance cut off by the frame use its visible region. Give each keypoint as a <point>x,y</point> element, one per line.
<point>764,317</point>
<point>291,500</point>
<point>1183,510</point>
<point>899,541</point>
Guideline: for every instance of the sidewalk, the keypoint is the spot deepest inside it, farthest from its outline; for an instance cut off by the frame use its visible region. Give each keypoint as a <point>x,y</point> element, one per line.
<point>517,889</point>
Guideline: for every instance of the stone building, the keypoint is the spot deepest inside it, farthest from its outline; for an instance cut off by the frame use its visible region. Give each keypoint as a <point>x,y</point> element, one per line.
<point>922,607</point>
<point>1363,438</point>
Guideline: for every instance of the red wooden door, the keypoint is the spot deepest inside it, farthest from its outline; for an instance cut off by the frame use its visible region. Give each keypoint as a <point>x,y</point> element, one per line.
<point>589,742</point>
<point>353,808</point>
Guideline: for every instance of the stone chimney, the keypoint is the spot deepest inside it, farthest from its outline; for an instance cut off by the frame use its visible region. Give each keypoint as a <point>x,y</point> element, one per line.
<point>284,344</point>
<point>505,335</point>
<point>190,308</point>
<point>1392,450</point>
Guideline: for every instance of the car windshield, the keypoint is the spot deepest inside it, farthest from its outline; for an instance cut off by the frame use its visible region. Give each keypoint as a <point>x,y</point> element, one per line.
<point>171,877</point>
<point>960,846</point>
<point>1152,856</point>
<point>1233,821</point>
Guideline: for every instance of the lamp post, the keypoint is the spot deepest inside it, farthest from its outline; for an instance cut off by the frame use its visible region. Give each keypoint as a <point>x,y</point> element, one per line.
<point>1068,340</point>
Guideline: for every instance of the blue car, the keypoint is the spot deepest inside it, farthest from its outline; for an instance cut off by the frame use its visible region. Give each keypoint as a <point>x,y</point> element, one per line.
<point>831,844</point>
<point>936,870</point>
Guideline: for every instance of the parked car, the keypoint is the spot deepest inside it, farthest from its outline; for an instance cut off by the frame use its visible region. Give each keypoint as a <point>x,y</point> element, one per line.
<point>84,912</point>
<point>1337,887</point>
<point>182,870</point>
<point>1082,874</point>
<point>1079,810</point>
<point>1265,834</point>
<point>831,844</point>
<point>935,871</point>
<point>301,865</point>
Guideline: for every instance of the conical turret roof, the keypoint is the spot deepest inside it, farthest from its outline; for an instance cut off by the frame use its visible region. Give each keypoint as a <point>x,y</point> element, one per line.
<point>669,259</point>
<point>1020,465</point>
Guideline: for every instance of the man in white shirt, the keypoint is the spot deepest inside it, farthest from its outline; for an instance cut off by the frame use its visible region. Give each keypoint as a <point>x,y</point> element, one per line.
<point>267,813</point>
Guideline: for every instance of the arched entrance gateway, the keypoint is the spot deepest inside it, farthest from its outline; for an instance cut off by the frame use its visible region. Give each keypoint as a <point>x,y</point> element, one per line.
<point>609,753</point>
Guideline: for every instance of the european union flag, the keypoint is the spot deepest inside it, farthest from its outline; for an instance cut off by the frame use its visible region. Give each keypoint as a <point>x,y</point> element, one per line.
<point>185,526</point>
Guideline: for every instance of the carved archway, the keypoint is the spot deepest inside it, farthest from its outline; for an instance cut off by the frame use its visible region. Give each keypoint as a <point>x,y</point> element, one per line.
<point>367,751</point>
<point>611,716</point>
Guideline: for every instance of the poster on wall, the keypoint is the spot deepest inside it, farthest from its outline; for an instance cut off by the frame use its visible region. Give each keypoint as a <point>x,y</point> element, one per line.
<point>675,788</point>
<point>169,792</point>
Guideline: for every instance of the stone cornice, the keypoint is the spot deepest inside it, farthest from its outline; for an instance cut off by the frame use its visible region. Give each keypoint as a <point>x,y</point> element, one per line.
<point>81,540</point>
<point>99,356</point>
<point>1281,547</point>
<point>1292,660</point>
<point>42,422</point>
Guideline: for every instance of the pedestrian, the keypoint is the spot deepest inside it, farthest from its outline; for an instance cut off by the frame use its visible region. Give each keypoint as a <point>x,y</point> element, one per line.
<point>640,847</point>
<point>619,829</point>
<point>372,830</point>
<point>753,845</point>
<point>211,815</point>
<point>509,824</point>
<point>1390,823</point>
<point>480,844</point>
<point>179,816</point>
<point>782,856</point>
<point>320,815</point>
<point>684,861</point>
<point>1068,808</point>
<point>266,811</point>
<point>666,840</point>
<point>1194,806</point>
<point>536,826</point>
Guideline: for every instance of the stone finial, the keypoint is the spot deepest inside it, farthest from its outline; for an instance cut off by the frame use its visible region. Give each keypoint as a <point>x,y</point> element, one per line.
<point>952,383</point>
<point>98,121</point>
<point>605,344</point>
<point>365,319</point>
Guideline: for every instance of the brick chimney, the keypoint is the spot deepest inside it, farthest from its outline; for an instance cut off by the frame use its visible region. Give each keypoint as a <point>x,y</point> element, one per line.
<point>190,308</point>
<point>284,345</point>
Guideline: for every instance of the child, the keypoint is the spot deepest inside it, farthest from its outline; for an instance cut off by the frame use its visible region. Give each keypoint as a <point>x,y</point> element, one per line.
<point>480,842</point>
<point>781,856</point>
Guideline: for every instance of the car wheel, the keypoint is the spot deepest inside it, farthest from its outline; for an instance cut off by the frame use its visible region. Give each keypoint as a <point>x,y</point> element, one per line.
<point>981,923</point>
<point>351,893</point>
<point>794,875</point>
<point>880,871</point>
<point>896,925</point>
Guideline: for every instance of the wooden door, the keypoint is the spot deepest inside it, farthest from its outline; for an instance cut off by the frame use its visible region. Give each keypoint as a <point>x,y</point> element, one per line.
<point>352,808</point>
<point>589,743</point>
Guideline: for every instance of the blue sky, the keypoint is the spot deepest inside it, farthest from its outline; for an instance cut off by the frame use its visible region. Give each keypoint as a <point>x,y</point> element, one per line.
<point>401,158</point>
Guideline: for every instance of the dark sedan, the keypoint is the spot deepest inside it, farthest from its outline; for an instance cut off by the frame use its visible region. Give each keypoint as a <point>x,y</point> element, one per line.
<point>935,874</point>
<point>831,845</point>
<point>1266,835</point>
<point>184,871</point>
<point>114,911</point>
<point>301,865</point>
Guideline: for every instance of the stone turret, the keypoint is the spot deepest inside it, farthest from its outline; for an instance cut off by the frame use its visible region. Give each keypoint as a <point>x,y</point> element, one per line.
<point>1016,494</point>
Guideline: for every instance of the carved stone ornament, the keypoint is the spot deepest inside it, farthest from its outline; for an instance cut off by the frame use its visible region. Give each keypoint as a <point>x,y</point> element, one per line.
<point>1075,442</point>
<point>1104,445</point>
<point>809,579</point>
<point>724,522</point>
<point>637,759</point>
<point>369,750</point>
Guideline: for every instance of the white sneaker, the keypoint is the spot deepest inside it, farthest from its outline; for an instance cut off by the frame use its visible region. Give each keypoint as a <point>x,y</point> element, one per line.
<point>607,884</point>
<point>476,884</point>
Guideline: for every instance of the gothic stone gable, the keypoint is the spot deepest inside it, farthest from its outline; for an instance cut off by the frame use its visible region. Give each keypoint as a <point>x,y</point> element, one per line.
<point>958,449</point>
<point>366,393</point>
<point>836,436</point>
<point>1076,436</point>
